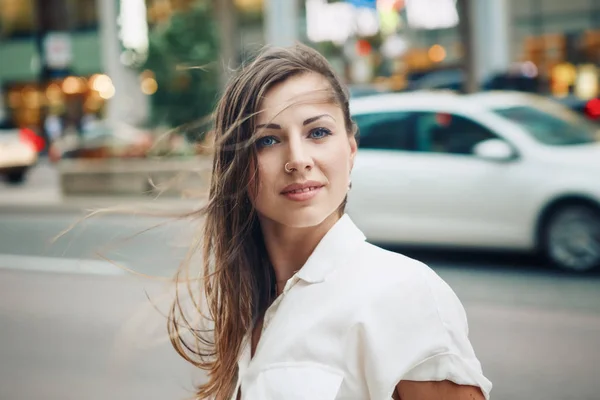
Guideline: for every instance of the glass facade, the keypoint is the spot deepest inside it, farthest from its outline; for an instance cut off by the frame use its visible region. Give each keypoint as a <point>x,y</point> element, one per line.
<point>17,18</point>
<point>562,38</point>
<point>22,18</point>
<point>49,78</point>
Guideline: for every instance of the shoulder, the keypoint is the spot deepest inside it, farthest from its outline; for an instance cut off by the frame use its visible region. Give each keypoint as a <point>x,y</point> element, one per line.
<point>410,325</point>
<point>400,285</point>
<point>388,270</point>
<point>381,261</point>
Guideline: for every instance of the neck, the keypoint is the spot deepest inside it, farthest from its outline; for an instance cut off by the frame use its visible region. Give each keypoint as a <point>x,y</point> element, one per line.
<point>289,248</point>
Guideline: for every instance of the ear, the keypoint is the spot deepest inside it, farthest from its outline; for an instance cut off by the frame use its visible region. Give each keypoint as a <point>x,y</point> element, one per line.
<point>353,150</point>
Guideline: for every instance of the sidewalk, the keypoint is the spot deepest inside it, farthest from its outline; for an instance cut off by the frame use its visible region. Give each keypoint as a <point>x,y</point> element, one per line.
<point>87,204</point>
<point>42,193</point>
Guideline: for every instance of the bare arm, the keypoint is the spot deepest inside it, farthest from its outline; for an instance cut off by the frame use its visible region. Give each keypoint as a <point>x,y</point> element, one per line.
<point>443,390</point>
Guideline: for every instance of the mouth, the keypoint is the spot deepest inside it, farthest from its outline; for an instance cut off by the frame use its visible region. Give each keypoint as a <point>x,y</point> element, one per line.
<point>302,190</point>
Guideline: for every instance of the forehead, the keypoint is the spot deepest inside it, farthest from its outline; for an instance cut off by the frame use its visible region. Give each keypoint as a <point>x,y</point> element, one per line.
<point>306,90</point>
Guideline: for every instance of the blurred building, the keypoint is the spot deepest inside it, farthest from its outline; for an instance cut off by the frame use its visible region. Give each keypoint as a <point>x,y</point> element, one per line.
<point>394,41</point>
<point>65,61</point>
<point>61,66</point>
<point>48,51</point>
<point>562,38</point>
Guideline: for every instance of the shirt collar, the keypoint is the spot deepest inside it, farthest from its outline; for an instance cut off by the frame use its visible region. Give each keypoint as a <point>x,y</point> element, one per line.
<point>336,243</point>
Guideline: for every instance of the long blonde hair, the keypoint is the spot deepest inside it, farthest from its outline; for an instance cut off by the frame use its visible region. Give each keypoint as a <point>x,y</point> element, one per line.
<point>237,278</point>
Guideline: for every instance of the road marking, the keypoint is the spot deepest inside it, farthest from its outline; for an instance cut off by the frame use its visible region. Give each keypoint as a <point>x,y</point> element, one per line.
<point>60,265</point>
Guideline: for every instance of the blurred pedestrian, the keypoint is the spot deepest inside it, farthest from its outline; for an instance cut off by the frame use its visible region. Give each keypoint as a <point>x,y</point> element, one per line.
<point>300,305</point>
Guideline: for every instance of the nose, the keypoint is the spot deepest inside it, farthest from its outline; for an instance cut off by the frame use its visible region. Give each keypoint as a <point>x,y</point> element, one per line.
<point>299,158</point>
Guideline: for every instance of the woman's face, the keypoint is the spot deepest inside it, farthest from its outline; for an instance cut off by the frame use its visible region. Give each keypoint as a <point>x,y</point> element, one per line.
<point>298,128</point>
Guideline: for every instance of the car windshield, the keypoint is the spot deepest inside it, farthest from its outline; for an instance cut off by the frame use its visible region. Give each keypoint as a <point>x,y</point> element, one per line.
<point>560,128</point>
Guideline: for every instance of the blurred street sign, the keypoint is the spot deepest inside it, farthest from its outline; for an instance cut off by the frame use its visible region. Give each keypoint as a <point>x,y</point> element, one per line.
<point>338,22</point>
<point>329,21</point>
<point>57,50</point>
<point>432,14</point>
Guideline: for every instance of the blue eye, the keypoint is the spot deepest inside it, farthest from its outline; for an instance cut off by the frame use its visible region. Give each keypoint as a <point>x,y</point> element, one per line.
<point>319,133</point>
<point>266,141</point>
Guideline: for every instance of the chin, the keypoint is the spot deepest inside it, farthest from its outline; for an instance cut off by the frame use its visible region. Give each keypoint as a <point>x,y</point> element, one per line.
<point>303,217</point>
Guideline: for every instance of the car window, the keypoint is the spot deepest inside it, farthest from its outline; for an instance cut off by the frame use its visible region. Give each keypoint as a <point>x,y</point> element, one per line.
<point>449,133</point>
<point>557,129</point>
<point>6,125</point>
<point>386,131</point>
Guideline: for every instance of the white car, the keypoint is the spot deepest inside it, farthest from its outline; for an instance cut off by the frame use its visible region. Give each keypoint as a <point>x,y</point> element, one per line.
<point>19,150</point>
<point>497,170</point>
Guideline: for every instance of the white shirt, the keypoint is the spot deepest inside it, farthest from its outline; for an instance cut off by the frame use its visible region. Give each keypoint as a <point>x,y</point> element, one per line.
<point>355,321</point>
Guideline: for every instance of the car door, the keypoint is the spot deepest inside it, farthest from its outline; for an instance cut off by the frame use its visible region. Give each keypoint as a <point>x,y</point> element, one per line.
<point>463,199</point>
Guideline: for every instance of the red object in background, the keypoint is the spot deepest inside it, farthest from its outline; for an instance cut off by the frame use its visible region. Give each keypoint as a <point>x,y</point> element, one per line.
<point>592,109</point>
<point>443,119</point>
<point>29,136</point>
<point>363,47</point>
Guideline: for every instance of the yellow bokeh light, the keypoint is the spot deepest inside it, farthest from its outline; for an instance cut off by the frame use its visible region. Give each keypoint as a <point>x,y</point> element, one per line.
<point>563,76</point>
<point>149,86</point>
<point>565,72</point>
<point>147,74</point>
<point>249,5</point>
<point>437,53</point>
<point>72,85</point>
<point>101,83</point>
<point>108,92</point>
<point>586,82</point>
<point>31,97</point>
<point>54,93</point>
<point>92,80</point>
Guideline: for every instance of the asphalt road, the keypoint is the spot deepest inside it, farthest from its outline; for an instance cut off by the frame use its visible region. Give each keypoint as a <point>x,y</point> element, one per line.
<point>73,326</point>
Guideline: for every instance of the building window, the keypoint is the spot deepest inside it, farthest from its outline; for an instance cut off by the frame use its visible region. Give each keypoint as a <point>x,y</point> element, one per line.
<point>84,14</point>
<point>17,18</point>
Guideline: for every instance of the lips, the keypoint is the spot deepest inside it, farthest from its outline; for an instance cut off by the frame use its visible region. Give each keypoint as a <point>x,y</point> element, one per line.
<point>305,190</point>
<point>304,187</point>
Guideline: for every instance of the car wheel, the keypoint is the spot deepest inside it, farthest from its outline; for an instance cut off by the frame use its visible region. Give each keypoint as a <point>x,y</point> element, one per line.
<point>15,177</point>
<point>572,238</point>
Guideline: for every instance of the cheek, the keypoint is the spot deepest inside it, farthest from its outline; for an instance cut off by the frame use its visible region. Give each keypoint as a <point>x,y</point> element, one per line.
<point>336,166</point>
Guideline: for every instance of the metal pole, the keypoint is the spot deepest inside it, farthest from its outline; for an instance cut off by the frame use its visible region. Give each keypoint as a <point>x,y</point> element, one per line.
<point>281,22</point>
<point>128,104</point>
<point>465,26</point>
<point>228,37</point>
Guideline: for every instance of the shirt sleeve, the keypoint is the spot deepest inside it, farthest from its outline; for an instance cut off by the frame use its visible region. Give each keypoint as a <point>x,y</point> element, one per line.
<point>416,329</point>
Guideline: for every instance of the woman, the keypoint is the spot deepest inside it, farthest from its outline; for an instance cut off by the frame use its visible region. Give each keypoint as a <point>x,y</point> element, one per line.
<point>300,305</point>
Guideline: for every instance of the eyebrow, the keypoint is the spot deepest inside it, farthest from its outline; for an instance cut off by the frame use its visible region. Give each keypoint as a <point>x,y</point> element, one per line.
<point>313,119</point>
<point>268,126</point>
<point>306,122</point>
